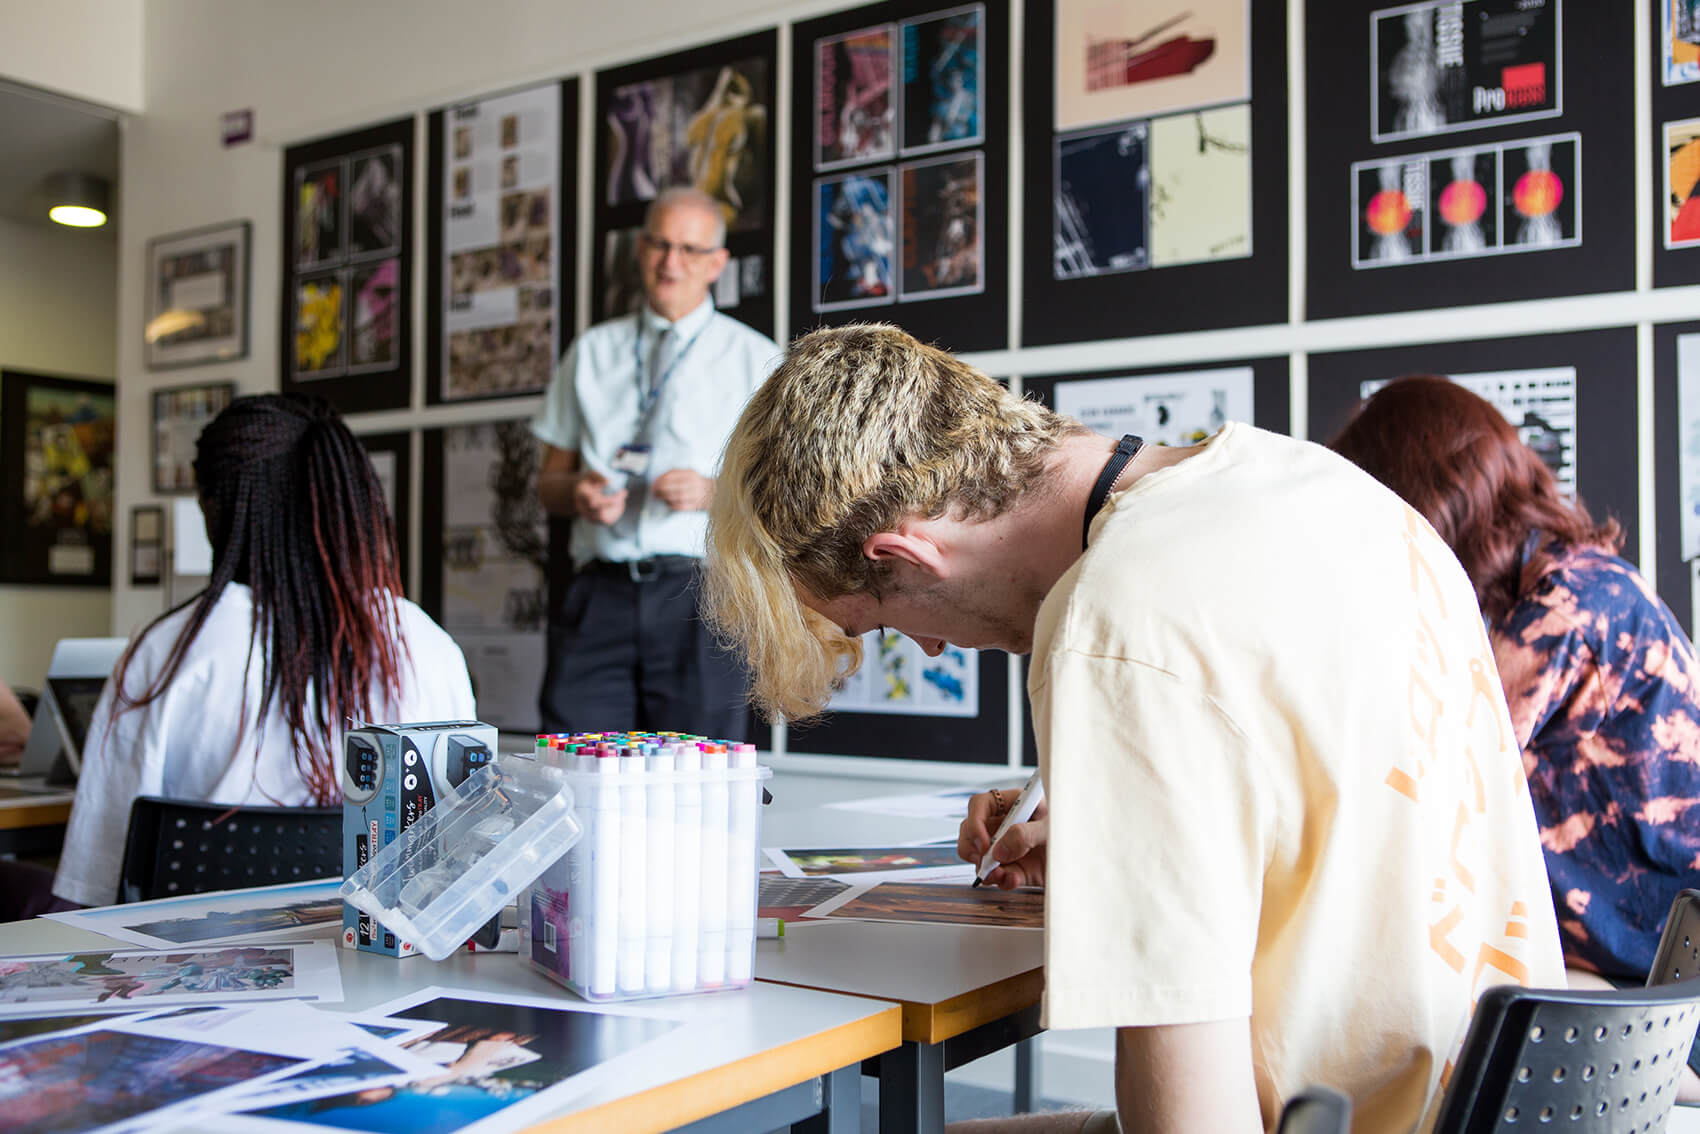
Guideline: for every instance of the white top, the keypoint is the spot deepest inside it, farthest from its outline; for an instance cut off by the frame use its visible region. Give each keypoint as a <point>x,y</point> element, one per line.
<point>184,744</point>
<point>594,404</point>
<point>1283,781</point>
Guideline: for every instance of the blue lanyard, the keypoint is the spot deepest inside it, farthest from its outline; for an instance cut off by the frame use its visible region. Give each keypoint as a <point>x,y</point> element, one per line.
<point>647,399</point>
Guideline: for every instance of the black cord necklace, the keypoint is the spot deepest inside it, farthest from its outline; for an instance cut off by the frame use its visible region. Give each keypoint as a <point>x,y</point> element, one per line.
<point>1126,449</point>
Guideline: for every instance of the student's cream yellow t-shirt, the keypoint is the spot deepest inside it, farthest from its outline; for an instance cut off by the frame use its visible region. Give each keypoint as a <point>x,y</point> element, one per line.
<point>1283,782</point>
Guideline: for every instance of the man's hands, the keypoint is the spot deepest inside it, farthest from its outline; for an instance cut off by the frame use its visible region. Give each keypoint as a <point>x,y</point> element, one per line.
<point>593,501</point>
<point>683,490</point>
<point>1020,853</point>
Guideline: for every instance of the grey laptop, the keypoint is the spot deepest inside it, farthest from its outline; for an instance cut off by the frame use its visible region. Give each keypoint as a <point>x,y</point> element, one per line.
<point>75,678</point>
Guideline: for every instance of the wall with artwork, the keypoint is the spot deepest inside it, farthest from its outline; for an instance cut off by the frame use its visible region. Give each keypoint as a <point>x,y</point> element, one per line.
<point>57,317</point>
<point>1097,203</point>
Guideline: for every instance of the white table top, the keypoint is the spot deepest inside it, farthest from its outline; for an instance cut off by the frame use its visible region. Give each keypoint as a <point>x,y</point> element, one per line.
<point>751,1042</point>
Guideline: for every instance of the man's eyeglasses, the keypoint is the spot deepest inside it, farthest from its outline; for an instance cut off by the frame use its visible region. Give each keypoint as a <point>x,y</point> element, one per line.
<point>665,248</point>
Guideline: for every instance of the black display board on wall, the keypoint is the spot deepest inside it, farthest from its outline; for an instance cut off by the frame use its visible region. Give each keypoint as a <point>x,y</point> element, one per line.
<point>347,297</point>
<point>900,171</point>
<point>508,354</point>
<point>1676,146</point>
<point>1599,440</point>
<point>392,460</point>
<point>1464,153</point>
<point>1156,169</point>
<point>1674,575</point>
<point>700,117</point>
<point>980,739</point>
<point>1155,403</point>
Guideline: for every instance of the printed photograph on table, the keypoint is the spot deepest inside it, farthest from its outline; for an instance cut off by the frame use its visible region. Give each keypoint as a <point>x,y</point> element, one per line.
<point>943,73</point>
<point>116,1075</point>
<point>1682,174</point>
<point>1681,41</point>
<point>897,676</point>
<point>831,862</point>
<point>1446,65</point>
<point>855,241</point>
<point>497,247</point>
<point>1121,61</point>
<point>855,101</point>
<point>1200,186</point>
<point>298,908</point>
<point>706,128</point>
<point>938,904</point>
<point>485,559</point>
<point>118,980</point>
<point>197,301</point>
<point>57,470</point>
<point>179,415</point>
<point>939,205</point>
<point>346,298</point>
<point>1103,182</point>
<point>503,1058</point>
<point>781,896</point>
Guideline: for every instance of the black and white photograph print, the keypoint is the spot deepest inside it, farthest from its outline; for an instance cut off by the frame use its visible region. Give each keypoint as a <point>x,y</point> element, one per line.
<point>374,203</point>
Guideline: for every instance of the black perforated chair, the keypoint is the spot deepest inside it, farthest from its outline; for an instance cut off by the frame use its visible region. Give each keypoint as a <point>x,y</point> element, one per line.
<point>1316,1110</point>
<point>178,847</point>
<point>1572,1059</point>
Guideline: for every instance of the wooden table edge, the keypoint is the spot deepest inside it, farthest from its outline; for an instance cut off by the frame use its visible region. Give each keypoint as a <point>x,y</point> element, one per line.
<point>47,813</point>
<point>936,1022</point>
<point>720,1089</point>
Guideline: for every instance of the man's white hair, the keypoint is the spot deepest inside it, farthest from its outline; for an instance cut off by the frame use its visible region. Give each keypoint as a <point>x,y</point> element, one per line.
<point>691,197</point>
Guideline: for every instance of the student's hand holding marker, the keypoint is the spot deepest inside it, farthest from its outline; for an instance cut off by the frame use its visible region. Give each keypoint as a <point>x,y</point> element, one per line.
<point>593,500</point>
<point>1020,853</point>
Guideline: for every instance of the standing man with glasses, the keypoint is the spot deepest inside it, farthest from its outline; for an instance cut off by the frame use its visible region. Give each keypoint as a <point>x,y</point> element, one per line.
<point>632,427</point>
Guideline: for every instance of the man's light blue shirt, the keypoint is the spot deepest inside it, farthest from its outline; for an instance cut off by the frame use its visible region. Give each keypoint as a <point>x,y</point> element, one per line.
<point>594,403</point>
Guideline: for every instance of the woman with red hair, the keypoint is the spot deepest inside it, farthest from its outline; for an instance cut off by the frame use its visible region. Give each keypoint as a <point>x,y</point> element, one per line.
<point>1601,680</point>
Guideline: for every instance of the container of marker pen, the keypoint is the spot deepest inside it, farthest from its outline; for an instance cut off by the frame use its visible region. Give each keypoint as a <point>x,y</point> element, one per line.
<point>673,823</point>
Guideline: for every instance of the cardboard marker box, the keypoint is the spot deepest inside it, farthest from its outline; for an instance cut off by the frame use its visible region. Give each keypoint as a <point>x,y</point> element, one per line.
<point>391,775</point>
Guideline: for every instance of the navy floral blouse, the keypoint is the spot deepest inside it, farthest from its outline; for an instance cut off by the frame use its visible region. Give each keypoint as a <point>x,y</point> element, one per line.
<point>1604,690</point>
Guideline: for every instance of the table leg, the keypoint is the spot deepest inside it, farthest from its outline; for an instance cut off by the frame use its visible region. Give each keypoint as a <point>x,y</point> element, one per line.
<point>1027,1088</point>
<point>840,1104</point>
<point>912,1089</point>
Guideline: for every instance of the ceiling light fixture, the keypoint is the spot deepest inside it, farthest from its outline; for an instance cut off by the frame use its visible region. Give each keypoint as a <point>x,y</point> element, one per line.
<point>80,200</point>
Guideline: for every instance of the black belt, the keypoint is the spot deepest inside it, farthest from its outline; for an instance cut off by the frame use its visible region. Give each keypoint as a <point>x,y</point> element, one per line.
<point>642,570</point>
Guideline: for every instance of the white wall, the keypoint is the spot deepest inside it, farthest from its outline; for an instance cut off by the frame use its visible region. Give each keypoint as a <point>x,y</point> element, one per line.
<point>58,313</point>
<point>88,49</point>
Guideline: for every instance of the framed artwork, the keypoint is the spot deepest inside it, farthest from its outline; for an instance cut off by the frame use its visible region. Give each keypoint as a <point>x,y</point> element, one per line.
<point>147,545</point>
<point>197,296</point>
<point>900,208</point>
<point>392,460</point>
<point>484,562</point>
<point>56,479</point>
<point>179,415</point>
<point>1676,464</point>
<point>347,299</point>
<point>702,117</point>
<point>1676,146</point>
<point>1466,152</point>
<point>501,192</point>
<point>1160,203</point>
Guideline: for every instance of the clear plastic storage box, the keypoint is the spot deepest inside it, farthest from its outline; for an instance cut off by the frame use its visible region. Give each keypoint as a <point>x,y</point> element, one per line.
<point>474,852</point>
<point>659,895</point>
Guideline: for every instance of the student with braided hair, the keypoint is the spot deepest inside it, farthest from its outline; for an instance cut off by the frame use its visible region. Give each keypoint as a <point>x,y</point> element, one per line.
<point>240,694</point>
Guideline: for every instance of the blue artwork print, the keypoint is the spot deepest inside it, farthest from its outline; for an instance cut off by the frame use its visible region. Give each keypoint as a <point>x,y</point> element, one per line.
<point>855,242</point>
<point>941,81</point>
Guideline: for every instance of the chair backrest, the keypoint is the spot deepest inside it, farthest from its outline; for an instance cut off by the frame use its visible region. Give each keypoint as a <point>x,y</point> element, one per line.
<point>1583,1059</point>
<point>1678,958</point>
<point>1316,1110</point>
<point>181,847</point>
